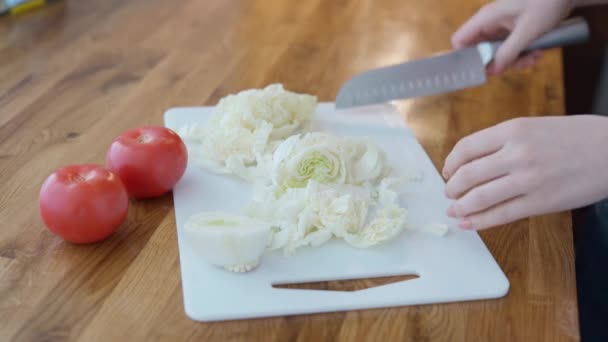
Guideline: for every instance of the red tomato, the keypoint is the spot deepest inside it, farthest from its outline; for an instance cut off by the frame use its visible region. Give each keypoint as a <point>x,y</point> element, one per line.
<point>83,203</point>
<point>149,160</point>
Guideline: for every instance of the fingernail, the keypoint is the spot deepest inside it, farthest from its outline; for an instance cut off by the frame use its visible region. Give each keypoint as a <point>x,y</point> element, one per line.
<point>451,211</point>
<point>446,175</point>
<point>465,224</point>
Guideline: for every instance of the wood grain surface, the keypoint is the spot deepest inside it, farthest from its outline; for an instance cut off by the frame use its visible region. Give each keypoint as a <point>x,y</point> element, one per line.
<point>77,73</point>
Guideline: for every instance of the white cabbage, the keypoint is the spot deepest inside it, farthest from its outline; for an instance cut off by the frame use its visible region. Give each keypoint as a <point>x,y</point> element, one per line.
<point>230,241</point>
<point>311,216</point>
<point>327,159</point>
<point>322,186</point>
<point>387,224</point>
<point>308,188</point>
<point>245,128</point>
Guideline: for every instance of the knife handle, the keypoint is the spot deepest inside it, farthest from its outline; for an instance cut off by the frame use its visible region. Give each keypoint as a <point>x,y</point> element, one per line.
<point>569,32</point>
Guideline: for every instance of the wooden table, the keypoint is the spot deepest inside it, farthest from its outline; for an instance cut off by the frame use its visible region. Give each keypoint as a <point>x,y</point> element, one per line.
<point>76,74</point>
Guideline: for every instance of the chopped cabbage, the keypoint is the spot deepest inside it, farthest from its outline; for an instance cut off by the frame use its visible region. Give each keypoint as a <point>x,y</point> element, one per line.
<point>388,223</point>
<point>244,128</point>
<point>323,186</point>
<point>327,159</point>
<point>309,187</point>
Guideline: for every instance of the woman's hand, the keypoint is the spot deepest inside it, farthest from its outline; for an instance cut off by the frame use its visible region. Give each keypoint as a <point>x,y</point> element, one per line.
<point>526,167</point>
<point>520,21</point>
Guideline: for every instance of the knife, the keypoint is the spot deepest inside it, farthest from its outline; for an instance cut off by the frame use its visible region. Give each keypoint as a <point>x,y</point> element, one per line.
<point>445,72</point>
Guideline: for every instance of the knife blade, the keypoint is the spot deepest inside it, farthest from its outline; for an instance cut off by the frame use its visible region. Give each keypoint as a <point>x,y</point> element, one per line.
<point>446,72</point>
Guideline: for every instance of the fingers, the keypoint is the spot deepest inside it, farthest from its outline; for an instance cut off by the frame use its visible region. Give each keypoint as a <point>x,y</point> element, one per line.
<point>485,197</point>
<point>524,62</point>
<point>504,213</point>
<point>525,31</point>
<point>528,60</point>
<point>524,23</point>
<point>478,26</point>
<point>472,147</point>
<point>475,173</point>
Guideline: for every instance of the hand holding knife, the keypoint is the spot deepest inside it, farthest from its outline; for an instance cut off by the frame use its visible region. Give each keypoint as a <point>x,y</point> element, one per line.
<point>446,72</point>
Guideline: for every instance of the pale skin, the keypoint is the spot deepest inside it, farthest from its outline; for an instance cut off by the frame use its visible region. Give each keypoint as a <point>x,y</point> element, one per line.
<point>526,166</point>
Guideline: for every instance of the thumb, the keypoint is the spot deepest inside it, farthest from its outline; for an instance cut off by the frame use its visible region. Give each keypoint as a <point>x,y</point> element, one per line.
<point>525,32</point>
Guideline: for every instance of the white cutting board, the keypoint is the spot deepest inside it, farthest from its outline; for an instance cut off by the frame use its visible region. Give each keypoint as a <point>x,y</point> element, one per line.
<point>456,267</point>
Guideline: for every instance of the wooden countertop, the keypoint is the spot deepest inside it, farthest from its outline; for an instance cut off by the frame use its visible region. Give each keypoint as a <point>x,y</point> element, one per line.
<point>77,73</point>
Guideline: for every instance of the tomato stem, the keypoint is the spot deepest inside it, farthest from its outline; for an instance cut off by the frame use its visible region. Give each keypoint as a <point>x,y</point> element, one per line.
<point>76,178</point>
<point>144,139</point>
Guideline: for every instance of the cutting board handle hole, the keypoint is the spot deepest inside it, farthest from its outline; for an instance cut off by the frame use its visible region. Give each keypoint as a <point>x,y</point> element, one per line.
<point>347,285</point>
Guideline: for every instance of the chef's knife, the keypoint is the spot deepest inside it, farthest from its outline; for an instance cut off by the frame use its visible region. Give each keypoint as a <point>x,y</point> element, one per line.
<point>445,72</point>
